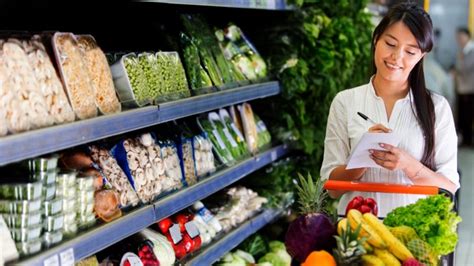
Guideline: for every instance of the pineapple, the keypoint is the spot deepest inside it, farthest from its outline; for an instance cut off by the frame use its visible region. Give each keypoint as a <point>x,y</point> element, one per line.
<point>350,247</point>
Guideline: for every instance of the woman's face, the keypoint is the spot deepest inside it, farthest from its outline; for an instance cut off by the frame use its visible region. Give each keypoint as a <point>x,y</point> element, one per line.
<point>396,53</point>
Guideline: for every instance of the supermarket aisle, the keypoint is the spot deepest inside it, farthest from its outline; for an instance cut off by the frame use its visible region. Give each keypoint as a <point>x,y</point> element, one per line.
<point>465,249</point>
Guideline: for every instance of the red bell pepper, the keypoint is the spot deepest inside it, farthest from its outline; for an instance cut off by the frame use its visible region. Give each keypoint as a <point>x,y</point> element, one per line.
<point>363,205</point>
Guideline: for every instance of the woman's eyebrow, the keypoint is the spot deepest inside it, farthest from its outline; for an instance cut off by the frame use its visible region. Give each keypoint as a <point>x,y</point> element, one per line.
<point>411,45</point>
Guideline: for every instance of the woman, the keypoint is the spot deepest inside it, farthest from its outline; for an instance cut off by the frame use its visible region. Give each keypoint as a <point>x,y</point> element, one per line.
<point>397,98</point>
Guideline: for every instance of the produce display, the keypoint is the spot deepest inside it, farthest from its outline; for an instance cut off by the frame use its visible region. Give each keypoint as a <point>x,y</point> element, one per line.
<point>100,75</point>
<point>74,73</point>
<point>249,126</point>
<point>199,80</point>
<point>259,254</point>
<point>172,163</point>
<point>203,155</point>
<point>232,132</point>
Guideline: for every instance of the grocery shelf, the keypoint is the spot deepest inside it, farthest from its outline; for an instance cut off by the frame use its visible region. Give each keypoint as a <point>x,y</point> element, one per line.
<point>34,143</point>
<point>219,248</point>
<point>96,239</point>
<point>186,197</point>
<point>249,4</point>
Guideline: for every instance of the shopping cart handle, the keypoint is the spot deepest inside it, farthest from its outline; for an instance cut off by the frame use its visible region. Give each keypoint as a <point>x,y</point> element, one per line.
<point>381,187</point>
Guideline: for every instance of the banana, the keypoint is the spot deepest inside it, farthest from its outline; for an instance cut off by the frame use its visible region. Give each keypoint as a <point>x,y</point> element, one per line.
<point>341,226</point>
<point>368,247</point>
<point>388,258</point>
<point>394,245</point>
<point>371,260</point>
<point>354,218</point>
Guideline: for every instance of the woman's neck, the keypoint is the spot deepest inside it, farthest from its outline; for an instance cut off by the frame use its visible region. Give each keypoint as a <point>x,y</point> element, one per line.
<point>390,90</point>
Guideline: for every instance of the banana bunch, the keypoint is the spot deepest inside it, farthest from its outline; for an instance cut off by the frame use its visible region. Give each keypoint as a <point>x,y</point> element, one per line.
<point>384,247</point>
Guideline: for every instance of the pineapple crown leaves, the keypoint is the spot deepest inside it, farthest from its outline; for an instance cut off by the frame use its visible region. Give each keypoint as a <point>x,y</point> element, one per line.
<point>349,247</point>
<point>312,197</point>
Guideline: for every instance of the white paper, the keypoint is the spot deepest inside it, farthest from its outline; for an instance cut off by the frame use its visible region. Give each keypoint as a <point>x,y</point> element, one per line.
<point>360,157</point>
<point>67,257</point>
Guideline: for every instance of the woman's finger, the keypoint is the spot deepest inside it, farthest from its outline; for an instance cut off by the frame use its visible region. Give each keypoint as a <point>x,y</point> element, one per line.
<point>379,128</point>
<point>383,155</point>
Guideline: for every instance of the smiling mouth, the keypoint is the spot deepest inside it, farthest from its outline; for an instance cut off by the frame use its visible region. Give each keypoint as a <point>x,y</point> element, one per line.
<point>392,66</point>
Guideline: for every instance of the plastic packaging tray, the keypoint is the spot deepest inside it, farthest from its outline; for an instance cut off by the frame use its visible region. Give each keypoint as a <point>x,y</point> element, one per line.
<point>76,81</point>
<point>22,220</point>
<point>69,204</point>
<point>66,192</point>
<point>47,178</point>
<point>29,248</point>
<point>86,219</point>
<point>70,218</point>
<point>43,164</point>
<point>21,191</point>
<point>53,207</point>
<point>52,238</point>
<point>66,179</point>
<point>70,229</point>
<point>85,197</point>
<point>53,223</point>
<point>49,192</point>
<point>26,234</point>
<point>123,86</point>
<point>20,207</point>
<point>85,183</point>
<point>85,209</point>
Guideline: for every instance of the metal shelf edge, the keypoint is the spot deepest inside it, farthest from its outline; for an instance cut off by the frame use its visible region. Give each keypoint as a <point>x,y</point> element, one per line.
<point>219,248</point>
<point>245,4</point>
<point>98,238</point>
<point>186,197</point>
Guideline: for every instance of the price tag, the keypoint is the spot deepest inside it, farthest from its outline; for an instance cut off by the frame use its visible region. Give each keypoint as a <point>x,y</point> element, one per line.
<point>134,261</point>
<point>175,233</point>
<point>51,261</point>
<point>274,155</point>
<point>67,257</point>
<point>192,229</point>
<point>237,131</point>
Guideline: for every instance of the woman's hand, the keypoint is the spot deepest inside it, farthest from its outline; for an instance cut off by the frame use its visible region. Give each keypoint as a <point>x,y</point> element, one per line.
<point>379,128</point>
<point>394,158</point>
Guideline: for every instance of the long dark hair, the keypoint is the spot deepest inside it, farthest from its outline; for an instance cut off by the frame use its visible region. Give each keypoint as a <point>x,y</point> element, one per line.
<point>420,25</point>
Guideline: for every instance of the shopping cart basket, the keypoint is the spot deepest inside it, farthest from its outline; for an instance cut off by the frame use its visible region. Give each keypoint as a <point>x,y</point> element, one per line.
<point>447,260</point>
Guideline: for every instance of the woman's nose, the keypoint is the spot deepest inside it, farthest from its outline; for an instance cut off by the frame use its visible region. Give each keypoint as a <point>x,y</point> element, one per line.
<point>397,54</point>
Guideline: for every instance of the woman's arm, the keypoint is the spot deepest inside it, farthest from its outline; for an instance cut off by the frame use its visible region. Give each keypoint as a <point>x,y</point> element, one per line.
<point>341,173</point>
<point>425,176</point>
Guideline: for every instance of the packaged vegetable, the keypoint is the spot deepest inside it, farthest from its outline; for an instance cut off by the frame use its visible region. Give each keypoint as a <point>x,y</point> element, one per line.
<point>29,248</point>
<point>249,126</point>
<point>218,144</point>
<point>20,207</point>
<point>49,192</point>
<point>172,163</point>
<point>173,83</point>
<point>66,180</point>
<point>47,178</point>
<point>188,166</point>
<point>52,88</point>
<point>21,191</point>
<point>22,220</point>
<point>115,176</point>
<point>264,137</point>
<point>22,98</point>
<point>53,223</point>
<point>43,164</point>
<point>73,71</point>
<point>235,133</point>
<point>26,234</point>
<point>203,156</point>
<point>100,75</point>
<point>161,247</point>
<point>52,207</point>
<point>52,238</point>
<point>225,133</point>
<point>106,205</point>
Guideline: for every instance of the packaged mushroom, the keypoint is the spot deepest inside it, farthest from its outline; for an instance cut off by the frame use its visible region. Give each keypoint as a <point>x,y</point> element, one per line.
<point>203,155</point>
<point>188,166</point>
<point>115,176</point>
<point>21,96</point>
<point>74,75</point>
<point>172,163</point>
<point>49,82</point>
<point>100,75</point>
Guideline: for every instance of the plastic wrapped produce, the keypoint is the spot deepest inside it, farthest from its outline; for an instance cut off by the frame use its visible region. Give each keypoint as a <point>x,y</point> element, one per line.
<point>140,94</point>
<point>49,82</point>
<point>250,127</point>
<point>173,78</point>
<point>20,207</point>
<point>99,72</point>
<point>218,144</point>
<point>233,131</point>
<point>203,155</point>
<point>73,70</point>
<point>264,137</point>
<point>21,191</point>
<point>115,176</point>
<point>21,96</point>
<point>107,205</point>
<point>232,144</point>
<point>188,166</point>
<point>172,163</point>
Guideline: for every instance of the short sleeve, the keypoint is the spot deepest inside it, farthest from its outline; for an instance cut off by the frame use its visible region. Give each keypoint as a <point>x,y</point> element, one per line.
<point>446,142</point>
<point>336,143</point>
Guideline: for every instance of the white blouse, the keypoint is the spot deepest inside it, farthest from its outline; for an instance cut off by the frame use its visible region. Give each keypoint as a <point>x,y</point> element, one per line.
<point>345,128</point>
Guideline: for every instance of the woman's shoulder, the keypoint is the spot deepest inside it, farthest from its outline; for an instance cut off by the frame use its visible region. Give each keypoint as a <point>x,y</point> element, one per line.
<point>439,101</point>
<point>352,93</point>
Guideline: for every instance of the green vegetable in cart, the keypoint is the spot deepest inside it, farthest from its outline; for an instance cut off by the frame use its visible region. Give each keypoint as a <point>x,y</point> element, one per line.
<point>437,228</point>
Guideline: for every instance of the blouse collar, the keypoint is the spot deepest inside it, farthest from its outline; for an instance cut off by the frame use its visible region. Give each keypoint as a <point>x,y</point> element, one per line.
<point>408,97</point>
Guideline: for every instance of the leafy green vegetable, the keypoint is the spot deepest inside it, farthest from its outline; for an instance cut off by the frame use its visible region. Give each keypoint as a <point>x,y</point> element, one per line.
<point>438,223</point>
<point>255,245</point>
<point>218,144</point>
<point>277,256</point>
<point>197,76</point>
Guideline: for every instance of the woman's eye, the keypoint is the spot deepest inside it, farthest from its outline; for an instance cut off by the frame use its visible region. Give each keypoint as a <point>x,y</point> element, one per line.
<point>390,44</point>
<point>410,53</point>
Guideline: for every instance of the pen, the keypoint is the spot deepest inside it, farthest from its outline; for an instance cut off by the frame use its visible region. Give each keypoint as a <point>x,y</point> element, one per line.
<point>366,118</point>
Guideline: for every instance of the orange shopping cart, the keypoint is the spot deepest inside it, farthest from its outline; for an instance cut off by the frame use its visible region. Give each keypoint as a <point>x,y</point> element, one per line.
<point>447,260</point>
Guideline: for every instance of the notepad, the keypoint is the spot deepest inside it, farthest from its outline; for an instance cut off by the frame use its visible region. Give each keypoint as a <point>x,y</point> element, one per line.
<point>360,157</point>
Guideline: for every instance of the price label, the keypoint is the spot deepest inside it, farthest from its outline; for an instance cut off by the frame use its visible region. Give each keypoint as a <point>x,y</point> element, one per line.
<point>175,233</point>
<point>192,229</point>
<point>67,257</point>
<point>134,261</point>
<point>237,131</point>
<point>51,261</point>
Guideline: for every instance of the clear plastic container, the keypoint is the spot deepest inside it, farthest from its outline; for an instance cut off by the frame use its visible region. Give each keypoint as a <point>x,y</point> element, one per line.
<point>43,164</point>
<point>73,72</point>
<point>22,220</point>
<point>85,197</point>
<point>66,192</point>
<point>49,192</point>
<point>52,238</point>
<point>26,234</point>
<point>53,223</point>
<point>47,178</point>
<point>86,219</point>
<point>66,179</point>
<point>70,218</point>
<point>85,183</point>
<point>53,207</point>
<point>127,84</point>
<point>85,209</point>
<point>20,207</point>
<point>21,191</point>
<point>69,204</point>
<point>29,248</point>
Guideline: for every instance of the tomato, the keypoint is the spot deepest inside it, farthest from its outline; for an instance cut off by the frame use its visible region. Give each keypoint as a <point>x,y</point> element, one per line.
<point>181,219</point>
<point>165,225</point>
